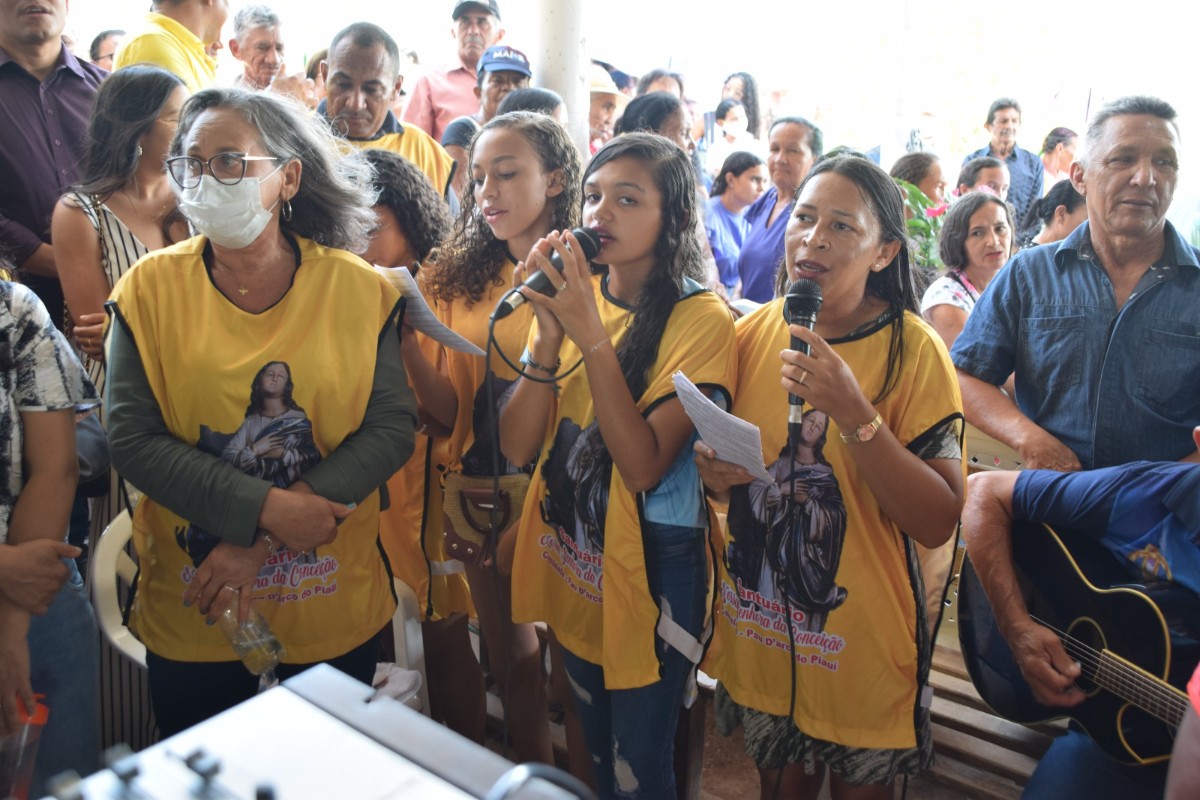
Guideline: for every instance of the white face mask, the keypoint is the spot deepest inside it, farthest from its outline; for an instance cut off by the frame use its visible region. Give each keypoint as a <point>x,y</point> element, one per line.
<point>230,216</point>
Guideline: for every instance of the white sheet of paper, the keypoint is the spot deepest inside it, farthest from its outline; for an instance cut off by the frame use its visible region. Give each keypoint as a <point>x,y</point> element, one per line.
<point>420,316</point>
<point>733,439</point>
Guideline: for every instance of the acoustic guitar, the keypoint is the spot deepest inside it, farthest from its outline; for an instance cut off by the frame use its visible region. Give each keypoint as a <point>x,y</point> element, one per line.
<point>1135,643</point>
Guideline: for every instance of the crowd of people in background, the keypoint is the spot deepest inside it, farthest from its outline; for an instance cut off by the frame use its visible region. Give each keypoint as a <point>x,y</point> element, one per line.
<point>201,255</point>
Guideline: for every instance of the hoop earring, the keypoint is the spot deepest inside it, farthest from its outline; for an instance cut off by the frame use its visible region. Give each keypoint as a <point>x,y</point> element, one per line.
<point>286,212</point>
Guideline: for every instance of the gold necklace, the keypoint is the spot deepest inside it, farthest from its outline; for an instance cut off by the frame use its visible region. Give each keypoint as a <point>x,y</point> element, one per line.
<point>242,290</point>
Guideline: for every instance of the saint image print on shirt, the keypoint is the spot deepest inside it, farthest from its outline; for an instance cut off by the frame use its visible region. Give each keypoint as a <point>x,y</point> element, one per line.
<point>789,533</point>
<point>577,473</point>
<point>274,442</point>
<point>478,459</point>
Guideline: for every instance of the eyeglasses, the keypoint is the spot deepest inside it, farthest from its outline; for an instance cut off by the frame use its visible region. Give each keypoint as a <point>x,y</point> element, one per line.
<point>227,168</point>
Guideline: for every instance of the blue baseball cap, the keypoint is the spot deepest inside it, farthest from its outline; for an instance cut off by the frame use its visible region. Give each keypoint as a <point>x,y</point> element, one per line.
<point>502,58</point>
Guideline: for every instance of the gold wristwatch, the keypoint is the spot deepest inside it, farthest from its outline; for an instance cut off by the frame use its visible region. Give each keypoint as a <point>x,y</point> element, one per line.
<point>865,432</point>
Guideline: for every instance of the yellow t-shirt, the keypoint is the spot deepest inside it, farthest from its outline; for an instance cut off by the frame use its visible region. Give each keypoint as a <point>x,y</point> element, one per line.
<point>579,564</point>
<point>168,44</point>
<point>203,356</point>
<point>418,147</point>
<point>469,452</point>
<point>411,527</point>
<point>832,560</point>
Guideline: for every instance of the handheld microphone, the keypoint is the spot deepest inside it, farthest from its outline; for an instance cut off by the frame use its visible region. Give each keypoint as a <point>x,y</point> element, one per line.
<point>589,243</point>
<point>800,307</point>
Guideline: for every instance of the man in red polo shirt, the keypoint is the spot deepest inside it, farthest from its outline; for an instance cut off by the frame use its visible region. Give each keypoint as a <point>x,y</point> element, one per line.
<point>441,96</point>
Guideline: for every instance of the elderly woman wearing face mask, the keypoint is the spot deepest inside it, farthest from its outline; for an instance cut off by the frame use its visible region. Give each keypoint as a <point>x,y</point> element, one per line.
<point>264,312</point>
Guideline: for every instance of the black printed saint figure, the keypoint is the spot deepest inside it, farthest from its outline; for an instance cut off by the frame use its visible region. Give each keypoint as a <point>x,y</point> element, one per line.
<point>577,472</point>
<point>479,458</point>
<point>274,442</point>
<point>788,534</point>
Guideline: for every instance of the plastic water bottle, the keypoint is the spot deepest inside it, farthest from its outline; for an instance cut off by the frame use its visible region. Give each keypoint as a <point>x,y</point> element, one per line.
<point>254,643</point>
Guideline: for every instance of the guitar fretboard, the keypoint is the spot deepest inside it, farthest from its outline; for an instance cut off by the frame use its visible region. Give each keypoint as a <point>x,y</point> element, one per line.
<point>1124,679</point>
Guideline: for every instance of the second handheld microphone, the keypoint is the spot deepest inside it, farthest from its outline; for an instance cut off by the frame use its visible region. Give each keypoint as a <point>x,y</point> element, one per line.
<point>800,307</point>
<point>589,243</point>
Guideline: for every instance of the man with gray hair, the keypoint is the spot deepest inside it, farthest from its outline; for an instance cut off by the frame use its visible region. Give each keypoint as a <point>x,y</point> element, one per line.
<point>1101,334</point>
<point>443,95</point>
<point>258,43</point>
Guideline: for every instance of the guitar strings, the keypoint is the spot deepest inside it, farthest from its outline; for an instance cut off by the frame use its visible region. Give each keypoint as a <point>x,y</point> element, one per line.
<point>1144,691</point>
<point>1147,692</point>
<point>1107,671</point>
<point>1131,686</point>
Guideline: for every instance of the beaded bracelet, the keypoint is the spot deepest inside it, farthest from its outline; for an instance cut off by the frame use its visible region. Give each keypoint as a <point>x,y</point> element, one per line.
<point>266,537</point>
<point>549,371</point>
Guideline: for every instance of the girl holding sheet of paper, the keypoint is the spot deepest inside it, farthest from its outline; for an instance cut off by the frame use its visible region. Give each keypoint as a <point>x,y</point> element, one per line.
<point>523,184</point>
<point>412,222</point>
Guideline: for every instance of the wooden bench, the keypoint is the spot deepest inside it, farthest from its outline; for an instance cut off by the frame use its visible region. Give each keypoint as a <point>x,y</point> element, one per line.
<point>977,752</point>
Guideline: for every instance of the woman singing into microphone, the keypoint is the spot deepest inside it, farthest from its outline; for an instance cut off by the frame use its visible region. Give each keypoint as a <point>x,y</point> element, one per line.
<point>611,547</point>
<point>821,643</point>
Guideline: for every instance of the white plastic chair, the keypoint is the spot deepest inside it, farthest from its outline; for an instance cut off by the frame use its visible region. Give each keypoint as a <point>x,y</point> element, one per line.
<point>110,567</point>
<point>406,632</point>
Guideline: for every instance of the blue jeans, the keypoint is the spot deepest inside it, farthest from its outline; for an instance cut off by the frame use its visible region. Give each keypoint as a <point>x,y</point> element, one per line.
<point>1075,767</point>
<point>631,732</point>
<point>64,659</point>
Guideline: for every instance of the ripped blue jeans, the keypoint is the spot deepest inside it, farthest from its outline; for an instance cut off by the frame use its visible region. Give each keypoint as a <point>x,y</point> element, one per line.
<point>631,732</point>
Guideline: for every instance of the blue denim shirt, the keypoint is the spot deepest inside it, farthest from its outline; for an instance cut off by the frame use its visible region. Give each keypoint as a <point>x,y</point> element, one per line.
<point>1113,385</point>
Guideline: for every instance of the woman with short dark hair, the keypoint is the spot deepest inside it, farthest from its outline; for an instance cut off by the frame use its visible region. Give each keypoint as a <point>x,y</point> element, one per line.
<point>795,144</point>
<point>985,173</point>
<point>975,242</point>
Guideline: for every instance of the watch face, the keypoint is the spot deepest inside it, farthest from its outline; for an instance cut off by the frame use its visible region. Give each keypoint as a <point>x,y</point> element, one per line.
<point>865,432</point>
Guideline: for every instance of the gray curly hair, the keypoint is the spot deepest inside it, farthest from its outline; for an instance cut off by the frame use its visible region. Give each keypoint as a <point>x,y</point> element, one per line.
<point>333,204</point>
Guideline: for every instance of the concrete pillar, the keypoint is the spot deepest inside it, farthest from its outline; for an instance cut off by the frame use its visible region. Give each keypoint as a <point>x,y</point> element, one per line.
<point>562,62</point>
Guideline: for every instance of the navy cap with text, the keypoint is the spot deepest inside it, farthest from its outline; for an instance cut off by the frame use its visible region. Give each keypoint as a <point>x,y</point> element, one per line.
<point>501,57</point>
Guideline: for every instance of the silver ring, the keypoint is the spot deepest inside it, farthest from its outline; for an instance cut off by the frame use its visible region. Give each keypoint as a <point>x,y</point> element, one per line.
<point>564,285</point>
<point>803,377</point>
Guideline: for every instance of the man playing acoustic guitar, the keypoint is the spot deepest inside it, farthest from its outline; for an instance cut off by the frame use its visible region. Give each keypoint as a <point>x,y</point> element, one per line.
<point>1146,513</point>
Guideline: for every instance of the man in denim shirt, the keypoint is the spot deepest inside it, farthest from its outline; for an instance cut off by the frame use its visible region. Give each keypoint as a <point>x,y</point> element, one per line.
<point>1025,168</point>
<point>1102,329</point>
<point>1102,332</point>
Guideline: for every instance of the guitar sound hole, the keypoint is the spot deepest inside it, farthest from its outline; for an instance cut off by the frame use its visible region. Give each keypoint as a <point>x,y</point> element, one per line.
<point>1084,642</point>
